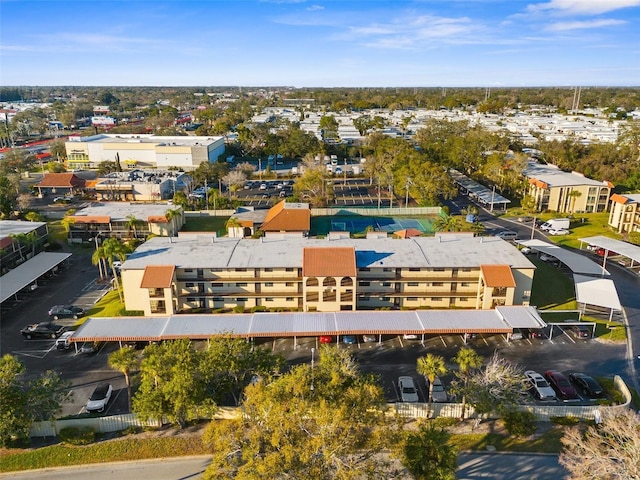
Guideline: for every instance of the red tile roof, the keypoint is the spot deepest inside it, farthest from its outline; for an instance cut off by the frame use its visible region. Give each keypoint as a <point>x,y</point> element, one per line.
<point>61,180</point>
<point>284,217</point>
<point>91,219</point>
<point>408,233</point>
<point>157,276</point>
<point>619,198</point>
<point>329,262</point>
<point>497,276</point>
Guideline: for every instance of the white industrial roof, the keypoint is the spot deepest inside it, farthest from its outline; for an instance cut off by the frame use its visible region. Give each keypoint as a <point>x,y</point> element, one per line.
<point>446,251</point>
<point>158,140</point>
<point>486,195</point>
<point>597,291</point>
<point>500,320</point>
<point>615,246</point>
<point>28,272</point>
<point>576,262</point>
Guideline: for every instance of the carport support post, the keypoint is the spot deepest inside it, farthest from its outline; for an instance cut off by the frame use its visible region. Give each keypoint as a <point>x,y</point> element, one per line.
<point>295,342</point>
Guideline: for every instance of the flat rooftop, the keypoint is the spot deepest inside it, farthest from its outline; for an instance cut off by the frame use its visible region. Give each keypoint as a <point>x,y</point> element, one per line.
<point>119,211</point>
<point>205,251</point>
<point>157,140</point>
<point>16,227</point>
<point>554,177</point>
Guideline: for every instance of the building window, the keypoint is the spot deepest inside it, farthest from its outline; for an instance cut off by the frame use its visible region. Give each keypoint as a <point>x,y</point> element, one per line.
<point>289,299</point>
<point>436,299</point>
<point>466,269</point>
<point>268,284</point>
<point>385,299</point>
<point>218,299</point>
<point>241,284</point>
<point>412,299</point>
<point>241,269</point>
<point>188,270</point>
<point>366,298</point>
<point>242,299</point>
<point>364,284</point>
<point>215,270</point>
<point>289,284</point>
<point>437,284</point>
<point>191,299</point>
<point>464,284</point>
<point>412,284</point>
<point>438,269</point>
<point>364,269</point>
<point>289,270</point>
<point>414,269</point>
<point>189,285</point>
<point>312,282</point>
<point>386,269</point>
<point>217,285</point>
<point>268,269</point>
<point>269,299</point>
<point>463,299</point>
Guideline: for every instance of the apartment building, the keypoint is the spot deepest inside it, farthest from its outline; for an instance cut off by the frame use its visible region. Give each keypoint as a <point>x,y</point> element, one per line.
<point>565,192</point>
<point>624,213</point>
<point>201,273</point>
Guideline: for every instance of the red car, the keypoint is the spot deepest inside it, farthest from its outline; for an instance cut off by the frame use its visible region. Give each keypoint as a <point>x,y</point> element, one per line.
<point>561,385</point>
<point>326,339</point>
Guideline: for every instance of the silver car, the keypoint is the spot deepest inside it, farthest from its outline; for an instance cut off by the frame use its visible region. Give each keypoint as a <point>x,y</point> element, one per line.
<point>439,394</point>
<point>408,391</point>
<point>539,386</point>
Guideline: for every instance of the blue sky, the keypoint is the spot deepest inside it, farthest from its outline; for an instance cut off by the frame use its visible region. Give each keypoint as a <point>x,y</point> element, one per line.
<point>487,43</point>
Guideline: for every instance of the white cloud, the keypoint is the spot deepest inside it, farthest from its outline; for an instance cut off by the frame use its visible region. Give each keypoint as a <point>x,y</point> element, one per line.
<point>588,24</point>
<point>582,7</point>
<point>315,8</point>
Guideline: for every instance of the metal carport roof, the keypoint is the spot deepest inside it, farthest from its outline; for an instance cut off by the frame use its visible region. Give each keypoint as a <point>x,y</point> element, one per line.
<point>576,262</point>
<point>500,320</point>
<point>475,189</point>
<point>623,248</point>
<point>597,291</point>
<point>28,272</point>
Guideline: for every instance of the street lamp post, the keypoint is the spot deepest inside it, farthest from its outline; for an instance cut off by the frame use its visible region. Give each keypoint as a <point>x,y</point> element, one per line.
<point>313,351</point>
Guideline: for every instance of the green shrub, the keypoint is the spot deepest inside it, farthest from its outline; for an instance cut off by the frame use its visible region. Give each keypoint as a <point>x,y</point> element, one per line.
<point>444,422</point>
<point>520,423</point>
<point>567,421</point>
<point>77,435</point>
<point>610,390</point>
<point>238,309</point>
<point>258,308</point>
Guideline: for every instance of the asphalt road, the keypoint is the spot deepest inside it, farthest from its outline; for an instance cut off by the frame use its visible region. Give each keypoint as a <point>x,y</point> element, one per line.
<point>471,466</point>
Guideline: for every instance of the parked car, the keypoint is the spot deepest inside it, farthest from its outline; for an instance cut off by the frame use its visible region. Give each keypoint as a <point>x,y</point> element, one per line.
<point>517,334</point>
<point>88,348</point>
<point>349,339</point>
<point>549,259</point>
<point>586,384</point>
<point>408,391</point>
<point>559,231</point>
<point>561,385</point>
<point>439,394</point>
<point>99,398</point>
<point>66,311</point>
<point>42,330</point>
<point>369,338</point>
<point>579,331</point>
<point>326,339</point>
<point>526,250</point>
<point>63,343</point>
<point>410,336</point>
<point>538,386</point>
<point>525,219</point>
<point>507,235</point>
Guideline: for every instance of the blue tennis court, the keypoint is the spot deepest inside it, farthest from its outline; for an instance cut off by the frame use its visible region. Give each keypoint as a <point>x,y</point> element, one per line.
<point>360,224</point>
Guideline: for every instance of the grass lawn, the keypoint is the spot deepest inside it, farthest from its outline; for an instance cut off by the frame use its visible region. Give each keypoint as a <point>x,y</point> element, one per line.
<point>552,289</point>
<point>206,224</point>
<point>548,442</point>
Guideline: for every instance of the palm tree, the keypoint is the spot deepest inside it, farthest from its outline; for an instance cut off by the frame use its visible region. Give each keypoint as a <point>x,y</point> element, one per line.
<point>66,223</point>
<point>131,223</point>
<point>467,360</point>
<point>574,194</point>
<point>125,360</point>
<point>430,366</point>
<point>446,223</point>
<point>19,239</point>
<point>114,249</point>
<point>171,215</point>
<point>33,217</point>
<point>232,223</point>
<point>99,258</point>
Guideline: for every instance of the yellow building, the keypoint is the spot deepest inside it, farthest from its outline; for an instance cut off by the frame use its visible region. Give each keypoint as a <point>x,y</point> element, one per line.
<point>201,273</point>
<point>565,192</point>
<point>624,214</point>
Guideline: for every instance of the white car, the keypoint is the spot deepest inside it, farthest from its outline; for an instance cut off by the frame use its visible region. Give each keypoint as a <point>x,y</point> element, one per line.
<point>539,386</point>
<point>559,231</point>
<point>408,391</point>
<point>99,398</point>
<point>439,394</point>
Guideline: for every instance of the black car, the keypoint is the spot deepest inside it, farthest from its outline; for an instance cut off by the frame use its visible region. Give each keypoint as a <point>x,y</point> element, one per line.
<point>586,384</point>
<point>580,331</point>
<point>66,311</point>
<point>42,330</point>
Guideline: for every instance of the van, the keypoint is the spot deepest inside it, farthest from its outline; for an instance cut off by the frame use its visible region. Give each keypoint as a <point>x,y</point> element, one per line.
<point>62,342</point>
<point>507,235</point>
<point>556,224</point>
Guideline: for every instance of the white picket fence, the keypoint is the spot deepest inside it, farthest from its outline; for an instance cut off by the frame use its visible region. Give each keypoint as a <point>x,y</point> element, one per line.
<point>117,423</point>
<point>379,212</point>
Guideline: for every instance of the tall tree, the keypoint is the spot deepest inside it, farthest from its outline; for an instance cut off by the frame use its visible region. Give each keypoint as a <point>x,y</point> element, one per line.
<point>318,422</point>
<point>427,453</point>
<point>25,401</point>
<point>446,223</point>
<point>115,249</point>
<point>430,366</point>
<point>610,450</point>
<point>468,360</point>
<point>125,360</point>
